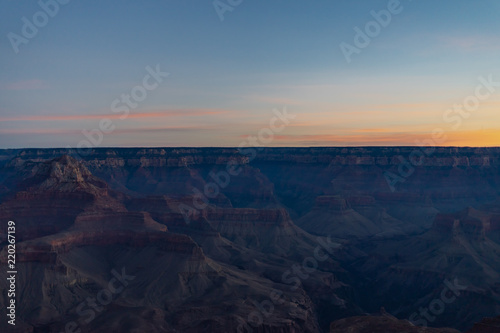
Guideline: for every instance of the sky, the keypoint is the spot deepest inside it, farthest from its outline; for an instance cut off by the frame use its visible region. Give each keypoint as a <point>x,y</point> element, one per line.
<point>173,73</point>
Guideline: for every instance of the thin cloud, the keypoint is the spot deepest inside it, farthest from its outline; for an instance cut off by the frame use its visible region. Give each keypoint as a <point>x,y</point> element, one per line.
<point>471,43</point>
<point>54,131</point>
<point>131,115</point>
<point>478,138</point>
<point>275,100</point>
<point>33,84</point>
<point>164,129</point>
<point>27,131</point>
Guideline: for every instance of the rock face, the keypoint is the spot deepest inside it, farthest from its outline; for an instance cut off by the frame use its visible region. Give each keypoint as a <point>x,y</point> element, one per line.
<point>487,325</point>
<point>52,194</point>
<point>424,267</point>
<point>289,241</point>
<point>381,324</point>
<point>90,231</point>
<point>334,215</point>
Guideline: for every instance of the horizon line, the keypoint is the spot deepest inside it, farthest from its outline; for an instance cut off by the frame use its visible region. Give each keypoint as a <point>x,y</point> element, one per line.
<point>235,147</point>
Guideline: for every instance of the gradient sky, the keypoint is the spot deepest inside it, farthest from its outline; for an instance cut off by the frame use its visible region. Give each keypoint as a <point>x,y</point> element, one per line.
<point>226,77</point>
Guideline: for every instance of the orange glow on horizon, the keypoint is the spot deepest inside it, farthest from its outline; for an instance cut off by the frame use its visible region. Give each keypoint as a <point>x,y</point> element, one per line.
<point>472,138</point>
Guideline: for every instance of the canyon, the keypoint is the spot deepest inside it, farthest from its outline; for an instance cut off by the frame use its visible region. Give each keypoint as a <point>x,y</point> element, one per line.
<point>281,240</point>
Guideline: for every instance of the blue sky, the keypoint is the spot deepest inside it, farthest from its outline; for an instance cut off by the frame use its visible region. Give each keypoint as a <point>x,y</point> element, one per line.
<point>226,77</point>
